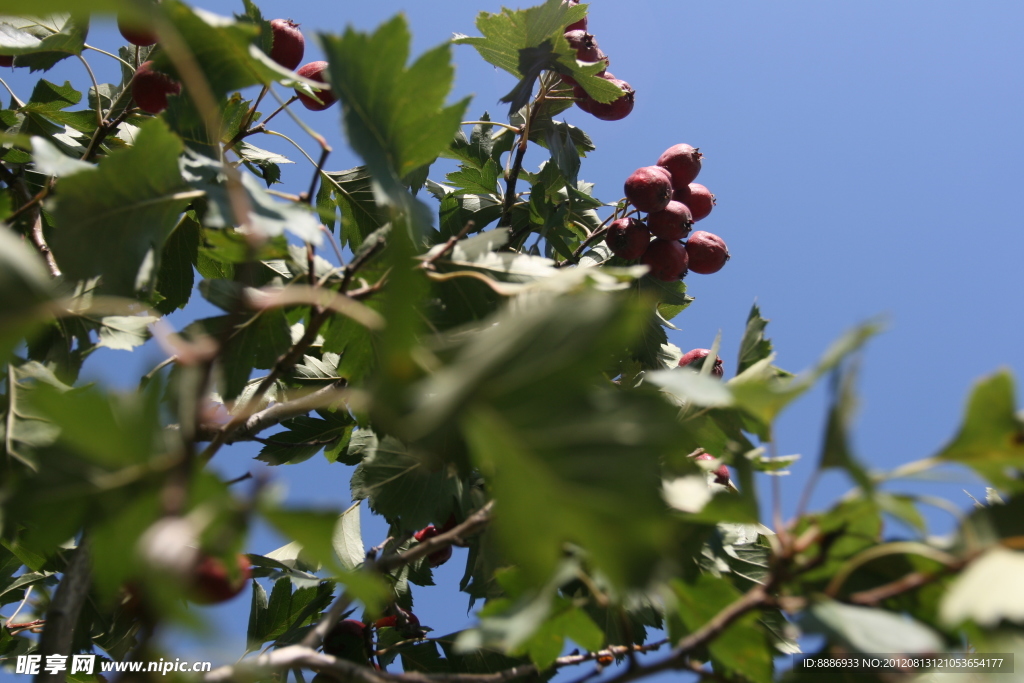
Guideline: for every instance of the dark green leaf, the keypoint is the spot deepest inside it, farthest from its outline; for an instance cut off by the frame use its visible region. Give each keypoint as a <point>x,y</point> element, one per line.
<point>360,214</point>
<point>177,275</point>
<point>836,451</point>
<point>129,212</point>
<point>307,436</point>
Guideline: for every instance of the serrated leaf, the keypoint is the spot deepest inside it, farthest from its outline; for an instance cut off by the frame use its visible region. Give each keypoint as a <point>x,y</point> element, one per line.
<point>177,275</point>
<point>360,214</point>
<point>124,333</point>
<point>26,428</point>
<point>407,490</point>
<point>129,212</point>
<point>306,436</point>
<point>51,161</point>
<point>836,451</point>
<point>754,346</point>
<point>394,116</point>
<point>42,41</point>
<point>348,539</point>
<point>991,436</point>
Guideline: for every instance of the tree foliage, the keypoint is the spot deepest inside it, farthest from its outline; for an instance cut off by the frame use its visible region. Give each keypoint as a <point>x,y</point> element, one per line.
<point>475,352</point>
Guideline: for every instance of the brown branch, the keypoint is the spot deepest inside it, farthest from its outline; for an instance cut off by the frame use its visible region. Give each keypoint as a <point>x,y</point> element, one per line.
<point>428,263</point>
<point>62,616</point>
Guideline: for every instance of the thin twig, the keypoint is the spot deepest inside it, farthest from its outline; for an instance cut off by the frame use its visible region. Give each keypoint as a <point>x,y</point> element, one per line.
<point>429,262</point>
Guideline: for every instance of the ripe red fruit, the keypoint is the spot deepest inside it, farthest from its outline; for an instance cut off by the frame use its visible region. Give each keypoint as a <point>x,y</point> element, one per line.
<point>648,189</point>
<point>580,25</point>
<point>666,258</point>
<point>695,355</point>
<point>683,162</point>
<point>347,640</point>
<point>721,473</point>
<point>586,47</point>
<point>412,622</point>
<point>316,71</point>
<point>628,238</point>
<point>697,197</point>
<point>671,223</point>
<point>6,60</point>
<point>151,88</point>
<point>212,584</point>
<point>707,252</point>
<point>135,32</point>
<point>288,44</point>
<point>441,556</point>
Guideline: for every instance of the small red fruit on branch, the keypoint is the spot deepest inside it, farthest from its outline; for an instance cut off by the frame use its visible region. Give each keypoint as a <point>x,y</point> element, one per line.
<point>441,556</point>
<point>150,88</point>
<point>667,259</point>
<point>348,640</point>
<point>411,621</point>
<point>288,44</point>
<point>628,238</point>
<point>721,472</point>
<point>683,162</point>
<point>718,370</point>
<point>316,71</point>
<point>649,189</point>
<point>211,583</point>
<point>135,32</point>
<point>707,252</point>
<point>607,111</point>
<point>671,223</point>
<point>697,197</point>
<point>580,25</point>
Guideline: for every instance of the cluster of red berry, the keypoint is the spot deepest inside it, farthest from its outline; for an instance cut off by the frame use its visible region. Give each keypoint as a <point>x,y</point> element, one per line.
<point>150,88</point>
<point>587,50</point>
<point>673,202</point>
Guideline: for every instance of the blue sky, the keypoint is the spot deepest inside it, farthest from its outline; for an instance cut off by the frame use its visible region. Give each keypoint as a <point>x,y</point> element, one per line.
<point>867,161</point>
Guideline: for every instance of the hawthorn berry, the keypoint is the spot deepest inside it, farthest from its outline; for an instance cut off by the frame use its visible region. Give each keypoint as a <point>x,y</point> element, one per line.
<point>628,238</point>
<point>721,472</point>
<point>586,47</point>
<point>580,25</point>
<point>438,558</point>
<point>667,259</point>
<point>288,44</point>
<point>348,640</point>
<point>707,252</point>
<point>683,162</point>
<point>316,71</point>
<point>672,223</point>
<point>411,621</point>
<point>697,197</point>
<point>135,32</point>
<point>150,88</point>
<point>649,189</point>
<point>211,583</point>
<point>695,355</point>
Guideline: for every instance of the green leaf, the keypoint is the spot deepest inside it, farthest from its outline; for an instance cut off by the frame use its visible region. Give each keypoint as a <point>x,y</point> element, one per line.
<point>42,41</point>
<point>360,214</point>
<point>255,343</point>
<point>130,213</point>
<point>24,287</point>
<point>25,427</point>
<point>394,116</point>
<point>481,181</point>
<point>507,34</point>
<point>307,436</point>
<point>124,332</point>
<point>51,161</point>
<point>288,610</point>
<point>754,346</point>
<point>180,254</point>
<point>348,539</point>
<point>836,451</point>
<point>867,629</point>
<point>409,491</point>
<point>742,648</point>
<point>991,437</point>
<point>987,591</point>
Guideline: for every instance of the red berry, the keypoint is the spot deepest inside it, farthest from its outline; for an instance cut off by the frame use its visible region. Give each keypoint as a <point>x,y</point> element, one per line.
<point>628,238</point>
<point>721,473</point>
<point>580,25</point>
<point>683,162</point>
<point>211,583</point>
<point>666,259</point>
<point>697,197</point>
<point>412,622</point>
<point>6,60</point>
<point>672,223</point>
<point>438,558</point>
<point>151,88</point>
<point>288,43</point>
<point>586,47</point>
<point>135,32</point>
<point>648,189</point>
<point>699,355</point>
<point>347,640</point>
<point>707,252</point>
<point>316,71</point>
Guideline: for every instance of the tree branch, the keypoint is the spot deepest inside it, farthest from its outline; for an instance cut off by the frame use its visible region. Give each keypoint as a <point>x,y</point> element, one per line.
<point>62,616</point>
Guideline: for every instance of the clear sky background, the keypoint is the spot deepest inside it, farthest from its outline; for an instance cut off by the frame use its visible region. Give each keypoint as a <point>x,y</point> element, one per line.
<point>868,160</point>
